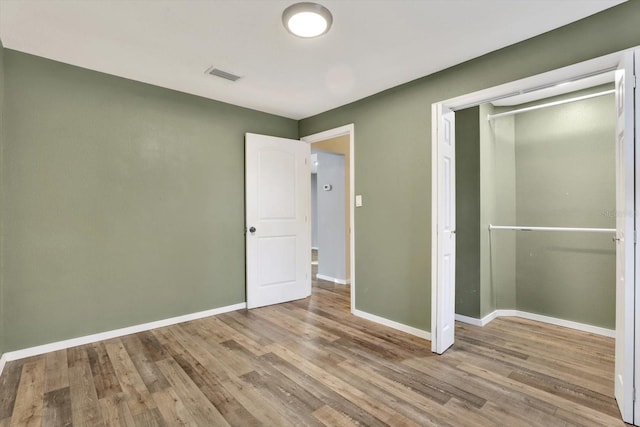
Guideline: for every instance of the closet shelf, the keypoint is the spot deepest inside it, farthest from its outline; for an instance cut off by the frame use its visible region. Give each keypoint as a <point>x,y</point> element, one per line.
<point>523,228</point>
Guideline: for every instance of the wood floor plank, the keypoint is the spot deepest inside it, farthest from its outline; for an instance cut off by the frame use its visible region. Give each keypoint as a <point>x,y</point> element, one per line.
<point>85,408</point>
<point>337,402</point>
<point>150,418</point>
<point>152,347</point>
<point>104,376</point>
<point>350,392</point>
<point>259,405</point>
<point>567,391</point>
<point>57,408</point>
<point>427,411</point>
<point>204,370</point>
<point>439,389</point>
<point>202,411</point>
<point>238,323</point>
<point>115,411</point>
<point>172,409</point>
<point>9,383</point>
<point>138,396</point>
<point>332,418</point>
<point>173,342</point>
<point>529,393</point>
<point>57,375</point>
<point>304,330</point>
<point>213,328</point>
<point>291,404</point>
<point>29,406</point>
<point>144,363</point>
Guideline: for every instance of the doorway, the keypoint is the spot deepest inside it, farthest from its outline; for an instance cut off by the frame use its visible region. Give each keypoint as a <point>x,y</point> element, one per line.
<point>335,146</point>
<point>444,208</point>
<point>330,209</point>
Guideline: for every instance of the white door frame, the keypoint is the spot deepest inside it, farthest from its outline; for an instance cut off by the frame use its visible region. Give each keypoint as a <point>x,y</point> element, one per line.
<point>548,79</point>
<point>333,133</point>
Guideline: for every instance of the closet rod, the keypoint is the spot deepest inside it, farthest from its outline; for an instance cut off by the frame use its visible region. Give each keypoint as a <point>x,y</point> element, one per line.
<point>521,228</point>
<point>550,104</point>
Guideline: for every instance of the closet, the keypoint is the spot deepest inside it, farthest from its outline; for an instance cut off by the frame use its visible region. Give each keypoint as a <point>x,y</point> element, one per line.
<point>535,196</point>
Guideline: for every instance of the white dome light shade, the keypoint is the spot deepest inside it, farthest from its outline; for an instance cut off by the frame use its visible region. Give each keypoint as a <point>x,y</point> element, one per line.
<point>307,19</point>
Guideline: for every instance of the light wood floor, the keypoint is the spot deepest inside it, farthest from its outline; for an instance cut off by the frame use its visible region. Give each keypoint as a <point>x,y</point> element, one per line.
<point>311,363</point>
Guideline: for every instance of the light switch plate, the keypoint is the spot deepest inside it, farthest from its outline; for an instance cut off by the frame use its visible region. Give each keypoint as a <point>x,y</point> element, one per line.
<point>358,200</point>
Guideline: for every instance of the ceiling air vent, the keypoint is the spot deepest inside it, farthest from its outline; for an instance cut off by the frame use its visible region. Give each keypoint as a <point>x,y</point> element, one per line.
<point>222,74</point>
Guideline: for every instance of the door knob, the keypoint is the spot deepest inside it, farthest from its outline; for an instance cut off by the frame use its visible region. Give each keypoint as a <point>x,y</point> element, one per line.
<point>252,230</point>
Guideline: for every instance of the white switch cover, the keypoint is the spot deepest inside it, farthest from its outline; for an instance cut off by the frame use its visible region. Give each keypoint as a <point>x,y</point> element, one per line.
<point>358,200</point>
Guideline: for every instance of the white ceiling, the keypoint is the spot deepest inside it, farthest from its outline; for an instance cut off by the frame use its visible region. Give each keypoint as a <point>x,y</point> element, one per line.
<point>373,45</point>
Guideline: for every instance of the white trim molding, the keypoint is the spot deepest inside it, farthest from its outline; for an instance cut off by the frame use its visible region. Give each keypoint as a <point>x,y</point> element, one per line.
<point>3,361</point>
<point>392,324</point>
<point>88,339</point>
<point>539,318</point>
<point>333,279</point>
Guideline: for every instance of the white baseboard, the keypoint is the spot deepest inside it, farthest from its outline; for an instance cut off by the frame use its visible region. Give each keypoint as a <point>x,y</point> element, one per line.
<point>537,317</point>
<point>333,279</point>
<point>88,339</point>
<point>469,320</point>
<point>611,333</point>
<point>392,324</point>
<point>3,361</point>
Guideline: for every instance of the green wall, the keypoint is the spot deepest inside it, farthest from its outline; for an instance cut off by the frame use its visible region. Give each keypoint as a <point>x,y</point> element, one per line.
<point>124,202</point>
<point>468,212</point>
<point>485,194</point>
<point>498,207</point>
<point>565,174</point>
<point>393,138</point>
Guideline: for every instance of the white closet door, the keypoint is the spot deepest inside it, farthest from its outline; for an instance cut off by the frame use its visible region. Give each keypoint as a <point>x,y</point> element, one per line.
<point>625,247</point>
<point>444,329</point>
<point>637,252</point>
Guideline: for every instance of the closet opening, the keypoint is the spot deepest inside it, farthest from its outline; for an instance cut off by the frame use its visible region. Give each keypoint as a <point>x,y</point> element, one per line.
<point>541,224</point>
<point>535,217</point>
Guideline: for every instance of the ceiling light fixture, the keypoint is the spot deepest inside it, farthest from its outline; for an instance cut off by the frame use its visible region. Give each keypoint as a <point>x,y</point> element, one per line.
<point>307,20</point>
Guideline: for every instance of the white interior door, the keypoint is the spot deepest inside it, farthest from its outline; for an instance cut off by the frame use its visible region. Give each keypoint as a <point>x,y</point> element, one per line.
<point>278,244</point>
<point>625,247</point>
<point>444,329</point>
<point>636,412</point>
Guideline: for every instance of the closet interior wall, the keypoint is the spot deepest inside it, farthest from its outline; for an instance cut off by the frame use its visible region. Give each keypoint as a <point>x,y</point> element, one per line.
<point>549,167</point>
